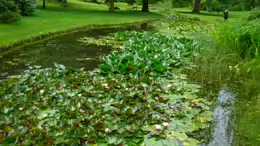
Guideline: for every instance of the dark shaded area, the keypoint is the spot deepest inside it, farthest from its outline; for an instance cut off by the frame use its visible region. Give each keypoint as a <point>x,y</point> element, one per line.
<point>145,7</point>
<point>63,49</point>
<point>197,6</point>
<point>43,4</point>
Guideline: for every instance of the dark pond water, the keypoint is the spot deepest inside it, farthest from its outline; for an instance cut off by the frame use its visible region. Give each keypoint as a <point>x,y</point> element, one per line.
<point>63,49</point>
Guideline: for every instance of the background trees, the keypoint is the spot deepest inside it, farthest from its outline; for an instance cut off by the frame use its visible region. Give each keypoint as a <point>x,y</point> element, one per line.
<point>197,6</point>
<point>11,10</point>
<point>145,7</point>
<point>27,7</point>
<point>217,5</point>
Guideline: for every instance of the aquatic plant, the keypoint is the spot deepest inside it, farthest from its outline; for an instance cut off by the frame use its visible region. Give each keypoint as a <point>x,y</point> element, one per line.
<point>139,95</point>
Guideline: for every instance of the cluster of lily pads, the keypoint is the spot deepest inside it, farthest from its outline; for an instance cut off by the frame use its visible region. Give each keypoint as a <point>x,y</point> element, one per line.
<point>137,96</point>
<point>184,26</point>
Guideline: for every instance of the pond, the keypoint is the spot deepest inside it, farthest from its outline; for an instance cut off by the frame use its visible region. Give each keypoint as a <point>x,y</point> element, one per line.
<point>63,49</point>
<point>67,50</point>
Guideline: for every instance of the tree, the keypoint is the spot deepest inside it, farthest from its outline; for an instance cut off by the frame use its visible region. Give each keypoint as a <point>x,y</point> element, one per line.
<point>112,6</point>
<point>145,7</point>
<point>197,6</point>
<point>44,4</point>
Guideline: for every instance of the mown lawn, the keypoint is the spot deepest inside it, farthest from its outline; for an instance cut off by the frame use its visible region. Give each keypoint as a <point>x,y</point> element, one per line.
<point>79,13</point>
<point>214,16</point>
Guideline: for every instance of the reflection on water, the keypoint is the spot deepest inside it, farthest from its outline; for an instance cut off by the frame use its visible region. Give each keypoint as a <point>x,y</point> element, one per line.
<point>64,50</point>
<point>223,133</point>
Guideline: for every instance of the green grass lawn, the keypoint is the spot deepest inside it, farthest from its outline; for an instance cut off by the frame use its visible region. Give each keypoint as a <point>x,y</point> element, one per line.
<point>79,13</point>
<point>214,16</point>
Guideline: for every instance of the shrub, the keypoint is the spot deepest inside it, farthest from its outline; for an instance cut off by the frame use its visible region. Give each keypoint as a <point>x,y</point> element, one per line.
<point>217,6</point>
<point>238,7</point>
<point>181,3</point>
<point>27,7</point>
<point>9,17</point>
<point>254,14</point>
<point>9,12</point>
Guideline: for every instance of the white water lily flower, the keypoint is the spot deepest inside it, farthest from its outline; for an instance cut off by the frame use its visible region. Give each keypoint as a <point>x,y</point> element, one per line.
<point>165,124</point>
<point>169,86</point>
<point>41,91</point>
<point>230,67</point>
<point>105,85</point>
<point>158,127</point>
<point>107,130</point>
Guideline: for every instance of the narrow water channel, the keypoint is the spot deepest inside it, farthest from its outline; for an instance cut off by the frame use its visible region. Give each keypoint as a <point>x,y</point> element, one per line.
<point>222,128</point>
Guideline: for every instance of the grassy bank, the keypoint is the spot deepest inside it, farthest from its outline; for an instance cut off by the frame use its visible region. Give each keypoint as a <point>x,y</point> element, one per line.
<point>214,17</point>
<point>233,60</point>
<point>55,18</point>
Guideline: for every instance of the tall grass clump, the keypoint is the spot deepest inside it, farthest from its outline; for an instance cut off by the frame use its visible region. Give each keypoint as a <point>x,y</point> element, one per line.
<point>240,37</point>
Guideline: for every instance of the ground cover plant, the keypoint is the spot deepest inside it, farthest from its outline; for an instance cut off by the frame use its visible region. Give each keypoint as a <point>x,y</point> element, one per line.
<point>137,96</point>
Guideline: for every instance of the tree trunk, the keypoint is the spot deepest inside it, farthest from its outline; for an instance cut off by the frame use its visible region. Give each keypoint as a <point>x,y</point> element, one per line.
<point>111,6</point>
<point>145,7</point>
<point>43,3</point>
<point>197,6</point>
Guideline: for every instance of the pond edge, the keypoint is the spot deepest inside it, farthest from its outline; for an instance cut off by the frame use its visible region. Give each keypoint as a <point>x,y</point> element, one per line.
<point>49,35</point>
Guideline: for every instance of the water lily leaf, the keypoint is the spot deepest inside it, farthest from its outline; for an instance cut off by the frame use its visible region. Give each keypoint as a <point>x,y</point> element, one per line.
<point>138,91</point>
<point>59,66</point>
<point>193,142</point>
<point>179,136</point>
<point>168,142</point>
<point>43,114</point>
<point>144,85</point>
<point>10,140</point>
<point>112,140</point>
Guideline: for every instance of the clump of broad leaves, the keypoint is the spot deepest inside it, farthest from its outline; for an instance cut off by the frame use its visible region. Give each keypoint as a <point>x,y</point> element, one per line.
<point>138,96</point>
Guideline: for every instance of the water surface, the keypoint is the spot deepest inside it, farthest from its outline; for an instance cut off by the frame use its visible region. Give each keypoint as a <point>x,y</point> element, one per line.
<point>63,49</point>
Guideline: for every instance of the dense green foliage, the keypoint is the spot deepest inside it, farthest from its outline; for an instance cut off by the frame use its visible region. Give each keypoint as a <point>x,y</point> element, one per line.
<point>219,5</point>
<point>138,93</point>
<point>254,14</point>
<point>9,11</point>
<point>27,7</point>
